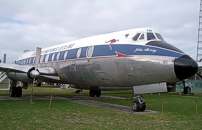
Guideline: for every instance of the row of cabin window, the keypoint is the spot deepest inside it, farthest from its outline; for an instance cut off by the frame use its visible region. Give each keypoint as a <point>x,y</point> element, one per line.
<point>47,58</point>
<point>63,55</point>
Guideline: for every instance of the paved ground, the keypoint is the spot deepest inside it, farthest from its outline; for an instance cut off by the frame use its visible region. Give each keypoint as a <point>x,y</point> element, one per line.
<point>84,100</point>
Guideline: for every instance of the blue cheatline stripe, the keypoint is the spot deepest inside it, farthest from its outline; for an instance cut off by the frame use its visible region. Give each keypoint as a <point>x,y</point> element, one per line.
<point>104,50</point>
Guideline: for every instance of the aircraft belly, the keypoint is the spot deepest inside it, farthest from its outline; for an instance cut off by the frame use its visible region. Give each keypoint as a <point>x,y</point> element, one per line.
<point>119,72</point>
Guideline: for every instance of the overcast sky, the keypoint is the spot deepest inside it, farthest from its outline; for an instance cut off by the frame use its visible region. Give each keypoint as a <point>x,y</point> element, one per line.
<point>26,24</point>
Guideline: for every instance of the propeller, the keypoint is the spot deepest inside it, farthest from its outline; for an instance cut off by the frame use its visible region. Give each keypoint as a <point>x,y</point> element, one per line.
<point>35,73</point>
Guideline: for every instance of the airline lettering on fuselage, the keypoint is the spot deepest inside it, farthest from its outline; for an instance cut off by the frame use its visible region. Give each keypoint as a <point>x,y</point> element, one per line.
<point>50,50</point>
<point>65,47</point>
<point>147,50</point>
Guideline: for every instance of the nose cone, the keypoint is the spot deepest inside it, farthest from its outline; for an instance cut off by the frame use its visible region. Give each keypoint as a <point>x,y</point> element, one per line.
<point>185,67</point>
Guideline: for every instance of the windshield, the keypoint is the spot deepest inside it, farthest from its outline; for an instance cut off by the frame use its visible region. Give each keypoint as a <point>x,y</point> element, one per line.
<point>150,36</point>
<point>159,36</point>
<point>136,37</point>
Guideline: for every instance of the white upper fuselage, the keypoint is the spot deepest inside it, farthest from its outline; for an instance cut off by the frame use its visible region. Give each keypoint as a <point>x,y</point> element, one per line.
<point>120,37</point>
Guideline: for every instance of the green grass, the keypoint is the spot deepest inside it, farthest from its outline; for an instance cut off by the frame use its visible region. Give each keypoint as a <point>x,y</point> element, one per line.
<point>166,103</point>
<point>179,112</point>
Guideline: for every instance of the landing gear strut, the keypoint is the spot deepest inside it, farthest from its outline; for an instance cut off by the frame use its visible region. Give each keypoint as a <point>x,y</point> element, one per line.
<point>15,91</point>
<point>187,89</point>
<point>95,93</point>
<point>139,104</point>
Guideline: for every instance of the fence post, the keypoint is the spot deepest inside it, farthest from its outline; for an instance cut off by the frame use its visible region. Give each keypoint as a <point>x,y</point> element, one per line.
<point>50,101</point>
<point>162,106</point>
<point>196,106</point>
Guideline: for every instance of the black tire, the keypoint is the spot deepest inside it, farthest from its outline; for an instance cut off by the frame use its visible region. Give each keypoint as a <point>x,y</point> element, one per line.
<point>13,90</point>
<point>187,90</point>
<point>97,93</point>
<point>38,84</point>
<point>19,91</point>
<point>142,107</point>
<point>92,93</point>
<point>135,106</point>
<point>78,91</point>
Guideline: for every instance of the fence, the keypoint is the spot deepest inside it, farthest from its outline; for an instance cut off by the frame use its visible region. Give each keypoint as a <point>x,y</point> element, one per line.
<point>196,86</point>
<point>175,103</point>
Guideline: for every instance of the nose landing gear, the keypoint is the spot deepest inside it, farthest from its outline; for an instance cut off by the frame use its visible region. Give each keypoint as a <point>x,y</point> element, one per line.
<point>139,104</point>
<point>187,89</point>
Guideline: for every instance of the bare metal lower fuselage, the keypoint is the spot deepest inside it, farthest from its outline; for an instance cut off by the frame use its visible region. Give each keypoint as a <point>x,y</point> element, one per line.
<point>116,72</point>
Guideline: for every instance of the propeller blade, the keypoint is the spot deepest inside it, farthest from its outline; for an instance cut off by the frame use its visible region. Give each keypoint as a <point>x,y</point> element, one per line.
<point>34,73</point>
<point>37,58</point>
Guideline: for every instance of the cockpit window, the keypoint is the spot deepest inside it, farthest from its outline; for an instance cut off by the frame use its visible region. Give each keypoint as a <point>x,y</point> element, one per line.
<point>141,37</point>
<point>136,36</point>
<point>150,36</point>
<point>159,36</point>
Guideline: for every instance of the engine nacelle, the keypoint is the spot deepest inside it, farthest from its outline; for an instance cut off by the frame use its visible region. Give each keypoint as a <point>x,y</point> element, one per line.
<point>24,77</point>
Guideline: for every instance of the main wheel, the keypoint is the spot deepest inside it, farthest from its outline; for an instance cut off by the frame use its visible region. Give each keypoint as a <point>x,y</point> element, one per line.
<point>97,93</point>
<point>135,106</point>
<point>38,83</point>
<point>13,90</point>
<point>19,91</point>
<point>92,93</point>
<point>142,106</point>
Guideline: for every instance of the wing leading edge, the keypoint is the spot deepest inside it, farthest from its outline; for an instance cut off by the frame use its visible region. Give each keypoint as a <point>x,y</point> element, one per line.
<point>46,73</point>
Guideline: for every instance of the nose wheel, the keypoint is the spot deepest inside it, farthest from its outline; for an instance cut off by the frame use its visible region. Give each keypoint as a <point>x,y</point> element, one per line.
<point>187,89</point>
<point>139,104</point>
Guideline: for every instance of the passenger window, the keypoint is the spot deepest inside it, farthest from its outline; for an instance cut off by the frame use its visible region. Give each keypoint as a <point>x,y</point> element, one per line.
<point>25,61</point>
<point>47,57</point>
<point>31,60</point>
<point>89,51</point>
<point>136,37</point>
<point>34,60</point>
<point>28,60</point>
<point>53,56</point>
<point>78,54</point>
<point>141,37</point>
<point>65,55</point>
<point>58,55</point>
<point>41,58</point>
<point>150,36</point>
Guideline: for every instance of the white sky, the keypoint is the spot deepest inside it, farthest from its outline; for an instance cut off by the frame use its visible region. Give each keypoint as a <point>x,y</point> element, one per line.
<point>26,24</point>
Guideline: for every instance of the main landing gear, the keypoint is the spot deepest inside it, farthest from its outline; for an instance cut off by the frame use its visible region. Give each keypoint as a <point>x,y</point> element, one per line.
<point>15,91</point>
<point>139,104</point>
<point>94,93</point>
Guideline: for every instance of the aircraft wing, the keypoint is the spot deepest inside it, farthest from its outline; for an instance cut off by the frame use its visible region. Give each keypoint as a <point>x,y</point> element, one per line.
<point>46,73</point>
<point>14,68</point>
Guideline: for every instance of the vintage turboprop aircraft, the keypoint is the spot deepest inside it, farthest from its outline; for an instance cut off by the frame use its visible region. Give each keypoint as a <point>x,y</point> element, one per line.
<point>137,59</point>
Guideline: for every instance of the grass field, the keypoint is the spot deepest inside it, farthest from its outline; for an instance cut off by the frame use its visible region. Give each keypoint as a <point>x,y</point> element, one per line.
<point>179,112</point>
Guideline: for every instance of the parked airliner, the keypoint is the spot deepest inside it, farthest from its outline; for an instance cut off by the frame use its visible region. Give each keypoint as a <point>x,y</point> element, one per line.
<point>136,59</point>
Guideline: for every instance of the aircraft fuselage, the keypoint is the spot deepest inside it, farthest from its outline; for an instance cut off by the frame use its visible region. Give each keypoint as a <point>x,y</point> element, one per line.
<point>121,60</point>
